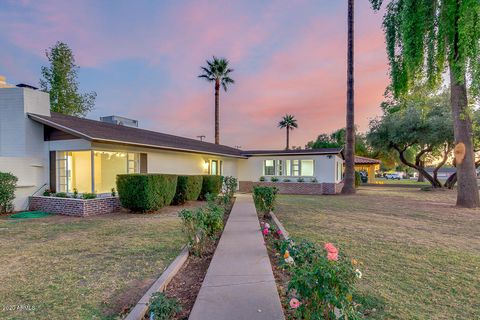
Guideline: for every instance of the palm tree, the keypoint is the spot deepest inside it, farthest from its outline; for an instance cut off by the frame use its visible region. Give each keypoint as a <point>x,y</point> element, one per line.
<point>217,71</point>
<point>349,181</point>
<point>289,122</point>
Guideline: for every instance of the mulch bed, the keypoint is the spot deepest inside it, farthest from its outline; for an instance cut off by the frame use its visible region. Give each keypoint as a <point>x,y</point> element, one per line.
<point>187,282</point>
<point>282,276</point>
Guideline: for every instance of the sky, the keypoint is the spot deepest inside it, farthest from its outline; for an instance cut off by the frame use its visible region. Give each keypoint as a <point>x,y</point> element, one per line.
<point>142,58</point>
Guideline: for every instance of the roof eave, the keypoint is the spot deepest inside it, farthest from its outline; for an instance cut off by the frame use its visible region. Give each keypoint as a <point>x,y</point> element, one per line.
<point>93,139</point>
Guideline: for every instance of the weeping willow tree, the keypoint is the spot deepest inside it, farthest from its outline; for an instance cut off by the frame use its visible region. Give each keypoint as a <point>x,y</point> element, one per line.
<point>425,39</point>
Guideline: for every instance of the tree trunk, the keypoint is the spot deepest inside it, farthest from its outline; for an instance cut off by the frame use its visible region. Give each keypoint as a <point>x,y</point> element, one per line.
<point>467,191</point>
<point>446,152</point>
<point>421,178</point>
<point>349,181</point>
<point>401,153</point>
<point>217,112</point>
<point>288,139</point>
<point>452,180</point>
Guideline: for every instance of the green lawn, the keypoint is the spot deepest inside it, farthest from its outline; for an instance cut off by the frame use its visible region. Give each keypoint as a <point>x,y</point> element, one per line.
<point>420,255</point>
<point>83,268</point>
<point>401,181</point>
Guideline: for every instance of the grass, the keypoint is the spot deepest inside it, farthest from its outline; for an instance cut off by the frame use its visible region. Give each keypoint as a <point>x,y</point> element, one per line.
<point>83,268</point>
<point>401,181</point>
<point>420,255</point>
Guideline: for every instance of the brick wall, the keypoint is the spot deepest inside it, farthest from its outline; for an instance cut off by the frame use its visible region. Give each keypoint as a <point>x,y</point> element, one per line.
<point>306,188</point>
<point>75,207</point>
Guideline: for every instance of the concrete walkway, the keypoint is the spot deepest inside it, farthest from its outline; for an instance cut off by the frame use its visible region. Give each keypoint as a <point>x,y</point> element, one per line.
<point>239,283</point>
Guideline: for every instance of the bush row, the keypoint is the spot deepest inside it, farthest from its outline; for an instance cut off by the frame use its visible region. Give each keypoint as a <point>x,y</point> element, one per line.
<point>150,192</point>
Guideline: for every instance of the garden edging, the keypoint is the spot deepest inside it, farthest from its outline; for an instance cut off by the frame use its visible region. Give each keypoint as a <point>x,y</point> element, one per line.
<point>280,226</point>
<point>138,312</point>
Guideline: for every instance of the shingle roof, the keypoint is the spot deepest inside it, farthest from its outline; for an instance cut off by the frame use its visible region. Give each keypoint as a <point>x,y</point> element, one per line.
<point>93,130</point>
<point>365,160</point>
<point>292,152</point>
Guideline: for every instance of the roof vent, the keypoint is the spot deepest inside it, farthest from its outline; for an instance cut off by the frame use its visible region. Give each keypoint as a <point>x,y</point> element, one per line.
<point>122,121</point>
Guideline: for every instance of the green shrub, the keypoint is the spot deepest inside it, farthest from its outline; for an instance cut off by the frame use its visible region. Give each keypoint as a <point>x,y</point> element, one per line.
<point>61,195</point>
<point>8,184</point>
<point>323,281</point>
<point>47,193</point>
<point>163,307</point>
<point>75,193</point>
<point>261,179</point>
<point>358,179</point>
<point>87,196</point>
<point>146,192</point>
<point>230,185</point>
<point>264,198</point>
<point>193,227</point>
<point>213,219</point>
<point>211,184</point>
<point>188,189</point>
<point>300,179</point>
<point>113,192</point>
<point>274,179</point>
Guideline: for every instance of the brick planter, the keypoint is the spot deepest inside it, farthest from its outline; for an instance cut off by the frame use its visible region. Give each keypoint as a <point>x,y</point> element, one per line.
<point>306,188</point>
<point>75,207</point>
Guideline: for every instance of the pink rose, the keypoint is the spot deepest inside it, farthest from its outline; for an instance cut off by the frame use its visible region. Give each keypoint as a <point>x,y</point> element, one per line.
<point>279,232</point>
<point>330,248</point>
<point>294,303</point>
<point>265,231</point>
<point>332,256</point>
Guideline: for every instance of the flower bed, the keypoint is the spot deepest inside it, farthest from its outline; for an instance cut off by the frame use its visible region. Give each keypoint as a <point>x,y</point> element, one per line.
<point>313,282</point>
<point>74,206</point>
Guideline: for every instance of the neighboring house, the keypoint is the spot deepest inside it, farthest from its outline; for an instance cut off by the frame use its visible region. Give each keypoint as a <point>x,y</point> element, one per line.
<point>368,165</point>
<point>49,150</point>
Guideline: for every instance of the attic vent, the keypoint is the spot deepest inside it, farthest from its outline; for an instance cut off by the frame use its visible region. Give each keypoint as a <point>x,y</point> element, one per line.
<point>121,121</point>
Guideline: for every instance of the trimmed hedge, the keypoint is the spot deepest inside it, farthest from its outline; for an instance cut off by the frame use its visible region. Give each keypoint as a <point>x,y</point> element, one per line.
<point>188,189</point>
<point>211,184</point>
<point>146,192</point>
<point>8,184</point>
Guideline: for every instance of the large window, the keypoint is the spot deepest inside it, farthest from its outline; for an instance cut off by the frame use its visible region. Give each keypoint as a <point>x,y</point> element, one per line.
<point>289,168</point>
<point>107,165</point>
<point>307,168</point>
<point>216,167</point>
<point>269,167</point>
<point>74,170</point>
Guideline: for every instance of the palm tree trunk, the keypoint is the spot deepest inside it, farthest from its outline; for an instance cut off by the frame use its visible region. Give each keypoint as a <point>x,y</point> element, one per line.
<point>349,181</point>
<point>217,112</point>
<point>288,139</point>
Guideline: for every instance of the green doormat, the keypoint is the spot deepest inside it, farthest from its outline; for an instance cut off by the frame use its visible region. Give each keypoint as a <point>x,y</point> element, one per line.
<point>29,215</point>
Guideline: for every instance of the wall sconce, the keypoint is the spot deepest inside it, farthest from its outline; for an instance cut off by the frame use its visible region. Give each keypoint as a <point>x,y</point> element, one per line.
<point>206,165</point>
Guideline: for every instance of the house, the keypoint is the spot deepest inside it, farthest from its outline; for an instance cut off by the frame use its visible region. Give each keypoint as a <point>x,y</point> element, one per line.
<point>369,165</point>
<point>63,153</point>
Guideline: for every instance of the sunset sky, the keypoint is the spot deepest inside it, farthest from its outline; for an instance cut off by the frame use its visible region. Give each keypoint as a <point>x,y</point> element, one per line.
<point>143,58</point>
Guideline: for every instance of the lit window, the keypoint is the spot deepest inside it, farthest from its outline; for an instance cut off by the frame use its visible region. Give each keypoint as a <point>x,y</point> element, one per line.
<point>269,167</point>
<point>307,168</point>
<point>288,167</point>
<point>214,168</point>
<point>295,168</point>
<point>279,167</point>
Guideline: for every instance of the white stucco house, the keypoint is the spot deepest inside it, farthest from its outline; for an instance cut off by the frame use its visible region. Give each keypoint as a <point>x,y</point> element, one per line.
<point>62,153</point>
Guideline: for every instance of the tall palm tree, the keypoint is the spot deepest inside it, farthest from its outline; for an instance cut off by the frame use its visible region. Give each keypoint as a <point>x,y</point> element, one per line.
<point>289,122</point>
<point>349,181</point>
<point>217,71</point>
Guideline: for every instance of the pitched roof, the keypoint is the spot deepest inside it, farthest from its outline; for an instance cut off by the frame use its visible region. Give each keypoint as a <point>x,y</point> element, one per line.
<point>98,131</point>
<point>365,160</point>
<point>325,151</point>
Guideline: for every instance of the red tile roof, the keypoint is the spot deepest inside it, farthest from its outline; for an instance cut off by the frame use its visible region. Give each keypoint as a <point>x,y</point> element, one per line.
<point>365,160</point>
